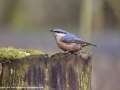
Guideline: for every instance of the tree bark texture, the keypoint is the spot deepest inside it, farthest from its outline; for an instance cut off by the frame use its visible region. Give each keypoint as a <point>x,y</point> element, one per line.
<point>61,71</point>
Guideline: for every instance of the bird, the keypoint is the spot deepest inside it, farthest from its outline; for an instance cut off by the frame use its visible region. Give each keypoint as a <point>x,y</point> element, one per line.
<point>68,42</point>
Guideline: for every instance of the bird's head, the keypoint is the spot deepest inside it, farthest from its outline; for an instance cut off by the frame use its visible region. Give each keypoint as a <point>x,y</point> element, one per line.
<point>58,32</point>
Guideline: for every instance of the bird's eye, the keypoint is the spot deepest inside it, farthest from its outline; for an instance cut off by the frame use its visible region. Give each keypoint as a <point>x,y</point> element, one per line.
<point>58,32</point>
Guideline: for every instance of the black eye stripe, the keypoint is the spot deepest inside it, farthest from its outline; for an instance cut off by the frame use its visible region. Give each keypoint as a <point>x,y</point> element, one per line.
<point>57,31</point>
<point>60,32</point>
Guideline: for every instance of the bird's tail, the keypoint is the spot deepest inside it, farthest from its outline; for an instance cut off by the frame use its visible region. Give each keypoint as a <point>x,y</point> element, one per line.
<point>94,45</point>
<point>89,44</point>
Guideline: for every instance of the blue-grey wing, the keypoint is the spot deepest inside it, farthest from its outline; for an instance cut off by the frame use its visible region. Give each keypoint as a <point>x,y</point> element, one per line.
<point>70,38</point>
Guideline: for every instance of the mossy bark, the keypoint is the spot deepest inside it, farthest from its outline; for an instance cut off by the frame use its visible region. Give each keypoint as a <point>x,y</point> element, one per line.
<point>61,71</point>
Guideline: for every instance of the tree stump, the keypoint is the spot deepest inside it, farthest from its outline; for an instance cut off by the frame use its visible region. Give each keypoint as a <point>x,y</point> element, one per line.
<point>61,71</point>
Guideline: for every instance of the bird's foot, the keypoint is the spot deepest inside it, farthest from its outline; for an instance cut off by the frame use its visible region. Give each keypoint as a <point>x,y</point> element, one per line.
<point>68,52</point>
<point>76,53</point>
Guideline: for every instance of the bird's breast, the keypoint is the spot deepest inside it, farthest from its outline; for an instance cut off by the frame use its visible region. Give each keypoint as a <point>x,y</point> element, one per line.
<point>67,46</point>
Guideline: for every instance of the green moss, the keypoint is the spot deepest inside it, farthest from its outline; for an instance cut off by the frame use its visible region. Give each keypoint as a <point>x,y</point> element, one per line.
<point>51,53</point>
<point>12,53</point>
<point>31,52</point>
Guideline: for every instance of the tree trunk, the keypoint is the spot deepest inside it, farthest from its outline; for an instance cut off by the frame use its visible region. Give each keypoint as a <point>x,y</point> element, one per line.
<point>61,71</point>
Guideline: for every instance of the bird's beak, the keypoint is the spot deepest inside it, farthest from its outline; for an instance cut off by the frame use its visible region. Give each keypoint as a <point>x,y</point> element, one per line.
<point>51,30</point>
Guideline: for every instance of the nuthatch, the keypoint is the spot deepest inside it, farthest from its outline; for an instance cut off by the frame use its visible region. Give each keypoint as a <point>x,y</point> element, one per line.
<point>69,42</point>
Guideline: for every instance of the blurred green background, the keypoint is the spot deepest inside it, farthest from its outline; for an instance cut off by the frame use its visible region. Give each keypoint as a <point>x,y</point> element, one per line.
<point>25,24</point>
